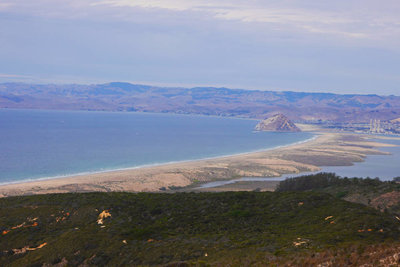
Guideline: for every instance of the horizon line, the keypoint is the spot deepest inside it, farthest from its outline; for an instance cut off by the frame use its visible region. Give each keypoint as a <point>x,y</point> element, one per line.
<point>190,87</point>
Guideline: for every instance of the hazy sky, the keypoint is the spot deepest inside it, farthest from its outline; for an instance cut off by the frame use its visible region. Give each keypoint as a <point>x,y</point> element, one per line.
<point>344,46</point>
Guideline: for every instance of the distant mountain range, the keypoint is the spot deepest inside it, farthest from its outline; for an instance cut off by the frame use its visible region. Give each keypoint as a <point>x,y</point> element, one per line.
<point>117,96</point>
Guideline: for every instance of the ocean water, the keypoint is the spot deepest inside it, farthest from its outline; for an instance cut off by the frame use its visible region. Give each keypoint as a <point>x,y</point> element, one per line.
<point>37,144</point>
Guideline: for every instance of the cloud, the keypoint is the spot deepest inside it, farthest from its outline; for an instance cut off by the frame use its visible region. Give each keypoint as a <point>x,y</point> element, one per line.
<point>169,4</point>
<point>239,10</point>
<point>267,44</point>
<point>7,75</point>
<point>351,19</point>
<point>5,5</point>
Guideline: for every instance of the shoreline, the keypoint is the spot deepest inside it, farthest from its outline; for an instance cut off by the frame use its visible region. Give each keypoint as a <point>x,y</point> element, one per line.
<point>323,149</point>
<point>152,165</point>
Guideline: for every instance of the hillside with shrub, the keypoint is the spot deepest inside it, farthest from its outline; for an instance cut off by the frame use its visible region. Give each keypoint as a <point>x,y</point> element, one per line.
<point>182,229</point>
<point>381,195</point>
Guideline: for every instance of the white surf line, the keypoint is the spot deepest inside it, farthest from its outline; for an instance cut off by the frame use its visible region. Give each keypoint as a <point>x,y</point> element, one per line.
<point>315,136</point>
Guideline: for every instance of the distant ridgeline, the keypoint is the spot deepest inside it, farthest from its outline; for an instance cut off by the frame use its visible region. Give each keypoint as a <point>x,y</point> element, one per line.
<point>201,100</point>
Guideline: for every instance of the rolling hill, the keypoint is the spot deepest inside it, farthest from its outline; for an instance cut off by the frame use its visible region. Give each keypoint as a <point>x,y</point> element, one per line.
<point>119,96</point>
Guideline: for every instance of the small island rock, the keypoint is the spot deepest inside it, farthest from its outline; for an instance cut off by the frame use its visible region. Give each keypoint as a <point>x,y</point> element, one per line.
<point>278,123</point>
<point>395,120</point>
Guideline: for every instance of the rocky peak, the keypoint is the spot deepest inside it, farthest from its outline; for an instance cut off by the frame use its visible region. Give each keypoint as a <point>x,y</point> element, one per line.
<point>395,120</point>
<point>279,123</point>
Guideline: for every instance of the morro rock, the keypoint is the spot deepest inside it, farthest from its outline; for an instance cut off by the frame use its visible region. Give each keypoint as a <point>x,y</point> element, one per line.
<point>395,120</point>
<point>278,123</point>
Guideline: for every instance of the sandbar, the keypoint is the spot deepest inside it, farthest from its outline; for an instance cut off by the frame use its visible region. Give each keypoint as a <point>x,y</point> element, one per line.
<point>326,149</point>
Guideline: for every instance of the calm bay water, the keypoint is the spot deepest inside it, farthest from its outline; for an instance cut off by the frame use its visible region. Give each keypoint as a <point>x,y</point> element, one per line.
<point>36,144</point>
<point>384,167</point>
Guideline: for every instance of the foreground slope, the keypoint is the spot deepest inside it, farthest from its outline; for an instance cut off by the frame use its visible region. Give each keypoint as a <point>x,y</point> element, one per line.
<point>380,195</point>
<point>240,228</point>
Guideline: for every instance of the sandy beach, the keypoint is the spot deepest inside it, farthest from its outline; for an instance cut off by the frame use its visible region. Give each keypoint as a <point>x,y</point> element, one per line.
<point>327,149</point>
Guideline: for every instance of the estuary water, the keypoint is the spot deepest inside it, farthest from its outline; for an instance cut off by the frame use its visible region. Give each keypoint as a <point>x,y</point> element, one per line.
<point>384,167</point>
<point>37,144</point>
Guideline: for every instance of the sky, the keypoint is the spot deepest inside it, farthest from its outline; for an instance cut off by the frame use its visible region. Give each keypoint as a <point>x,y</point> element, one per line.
<point>342,46</point>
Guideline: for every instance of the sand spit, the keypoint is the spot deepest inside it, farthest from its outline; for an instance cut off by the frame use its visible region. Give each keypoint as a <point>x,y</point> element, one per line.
<point>327,149</point>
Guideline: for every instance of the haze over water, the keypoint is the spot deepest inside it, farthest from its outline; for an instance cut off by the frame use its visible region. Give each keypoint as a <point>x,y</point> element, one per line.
<point>36,144</point>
